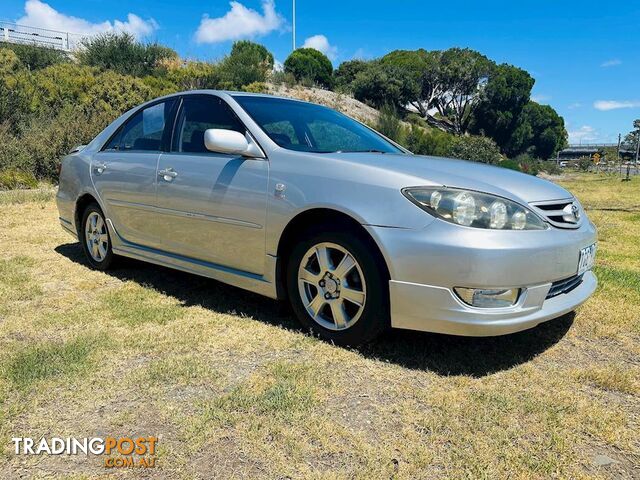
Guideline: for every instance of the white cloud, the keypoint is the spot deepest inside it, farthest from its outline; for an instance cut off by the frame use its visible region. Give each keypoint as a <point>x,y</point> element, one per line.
<point>40,14</point>
<point>574,105</point>
<point>239,22</point>
<point>606,105</point>
<point>614,62</point>
<point>586,134</point>
<point>321,43</point>
<point>541,98</point>
<point>278,66</point>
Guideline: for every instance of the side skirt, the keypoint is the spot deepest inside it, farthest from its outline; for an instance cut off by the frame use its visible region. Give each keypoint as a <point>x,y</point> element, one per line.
<point>263,285</point>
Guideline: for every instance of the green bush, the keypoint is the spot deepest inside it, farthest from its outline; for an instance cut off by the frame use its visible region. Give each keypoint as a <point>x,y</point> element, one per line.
<point>114,93</point>
<point>160,86</point>
<point>17,93</point>
<point>256,87</point>
<point>426,141</point>
<point>122,53</point>
<point>193,75</point>
<point>478,149</point>
<point>310,65</point>
<point>61,84</point>
<point>283,78</point>
<point>49,137</point>
<point>35,57</point>
<point>438,143</point>
<point>415,140</point>
<point>389,124</point>
<point>71,111</point>
<point>247,63</point>
<point>9,61</point>
<point>550,167</point>
<point>528,164</point>
<point>584,164</point>
<point>12,179</point>
<point>510,164</point>
<point>13,154</point>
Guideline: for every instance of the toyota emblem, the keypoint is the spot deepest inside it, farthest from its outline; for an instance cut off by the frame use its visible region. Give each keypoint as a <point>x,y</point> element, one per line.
<point>571,213</point>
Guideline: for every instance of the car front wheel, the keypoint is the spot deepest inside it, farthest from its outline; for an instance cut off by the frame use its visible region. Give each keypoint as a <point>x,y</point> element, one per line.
<point>337,288</point>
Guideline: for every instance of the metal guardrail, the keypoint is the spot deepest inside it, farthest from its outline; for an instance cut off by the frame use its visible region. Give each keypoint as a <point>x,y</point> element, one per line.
<point>592,145</point>
<point>43,37</point>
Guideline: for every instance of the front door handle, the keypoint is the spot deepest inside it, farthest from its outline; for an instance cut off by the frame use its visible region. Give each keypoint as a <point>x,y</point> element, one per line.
<point>100,168</point>
<point>168,174</point>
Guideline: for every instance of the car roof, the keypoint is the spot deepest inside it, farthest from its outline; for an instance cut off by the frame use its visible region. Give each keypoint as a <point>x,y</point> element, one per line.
<point>235,93</point>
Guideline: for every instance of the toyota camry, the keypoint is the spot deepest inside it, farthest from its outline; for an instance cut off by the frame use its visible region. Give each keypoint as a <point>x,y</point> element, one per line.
<point>296,201</point>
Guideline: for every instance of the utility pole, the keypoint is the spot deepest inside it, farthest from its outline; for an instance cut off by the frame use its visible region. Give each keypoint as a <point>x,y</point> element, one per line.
<point>618,151</point>
<point>294,25</point>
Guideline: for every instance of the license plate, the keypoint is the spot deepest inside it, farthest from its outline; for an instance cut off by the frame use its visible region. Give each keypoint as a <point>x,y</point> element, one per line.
<point>587,258</point>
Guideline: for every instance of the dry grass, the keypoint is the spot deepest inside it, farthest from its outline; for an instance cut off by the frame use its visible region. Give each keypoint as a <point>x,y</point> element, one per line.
<point>235,390</point>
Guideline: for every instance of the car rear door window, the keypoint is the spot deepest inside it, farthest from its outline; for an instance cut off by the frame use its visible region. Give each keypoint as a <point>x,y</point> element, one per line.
<point>145,130</point>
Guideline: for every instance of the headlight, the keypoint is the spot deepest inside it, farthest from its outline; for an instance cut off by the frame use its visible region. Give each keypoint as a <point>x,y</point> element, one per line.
<point>474,209</point>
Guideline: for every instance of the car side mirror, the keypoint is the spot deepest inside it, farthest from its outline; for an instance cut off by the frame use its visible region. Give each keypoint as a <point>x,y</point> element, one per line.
<point>230,141</point>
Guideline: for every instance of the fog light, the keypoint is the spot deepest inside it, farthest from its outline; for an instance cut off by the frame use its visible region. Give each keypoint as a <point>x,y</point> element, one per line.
<point>488,298</point>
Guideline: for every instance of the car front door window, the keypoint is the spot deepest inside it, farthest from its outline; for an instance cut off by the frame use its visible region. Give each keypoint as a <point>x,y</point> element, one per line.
<point>199,114</point>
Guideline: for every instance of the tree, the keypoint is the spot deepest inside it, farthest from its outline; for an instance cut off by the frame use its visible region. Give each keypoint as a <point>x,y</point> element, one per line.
<point>450,84</point>
<point>505,95</point>
<point>247,63</point>
<point>463,74</point>
<point>539,131</point>
<point>308,64</point>
<point>424,68</point>
<point>346,73</point>
<point>385,84</point>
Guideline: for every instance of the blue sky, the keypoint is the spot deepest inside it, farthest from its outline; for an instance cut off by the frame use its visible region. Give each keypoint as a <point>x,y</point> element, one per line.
<point>584,55</point>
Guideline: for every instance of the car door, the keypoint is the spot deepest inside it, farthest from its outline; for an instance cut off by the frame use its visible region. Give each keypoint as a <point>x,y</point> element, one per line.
<point>124,173</point>
<point>211,206</point>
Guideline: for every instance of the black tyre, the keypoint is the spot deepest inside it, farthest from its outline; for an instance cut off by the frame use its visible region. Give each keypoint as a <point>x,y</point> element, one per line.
<point>337,286</point>
<point>95,238</point>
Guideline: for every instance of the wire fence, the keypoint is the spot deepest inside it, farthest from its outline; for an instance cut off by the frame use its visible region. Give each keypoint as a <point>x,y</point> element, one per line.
<point>43,37</point>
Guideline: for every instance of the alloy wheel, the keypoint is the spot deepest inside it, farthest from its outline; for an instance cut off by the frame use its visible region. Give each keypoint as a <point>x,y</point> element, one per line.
<point>332,286</point>
<point>96,237</point>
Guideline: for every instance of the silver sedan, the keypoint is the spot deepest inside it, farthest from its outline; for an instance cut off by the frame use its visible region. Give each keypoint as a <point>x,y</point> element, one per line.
<point>296,201</point>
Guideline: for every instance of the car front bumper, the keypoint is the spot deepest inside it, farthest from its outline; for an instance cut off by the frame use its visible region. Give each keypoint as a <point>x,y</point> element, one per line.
<point>425,265</point>
<point>438,309</point>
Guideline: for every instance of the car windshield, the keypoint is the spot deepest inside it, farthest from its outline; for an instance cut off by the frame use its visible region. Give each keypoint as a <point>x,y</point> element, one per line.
<point>306,127</point>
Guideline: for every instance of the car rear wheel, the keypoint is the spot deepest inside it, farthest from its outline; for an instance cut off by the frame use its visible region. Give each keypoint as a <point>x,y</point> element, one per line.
<point>337,288</point>
<point>95,238</point>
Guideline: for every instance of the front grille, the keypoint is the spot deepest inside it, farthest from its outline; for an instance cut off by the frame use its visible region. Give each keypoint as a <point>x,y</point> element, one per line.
<point>564,286</point>
<point>558,212</point>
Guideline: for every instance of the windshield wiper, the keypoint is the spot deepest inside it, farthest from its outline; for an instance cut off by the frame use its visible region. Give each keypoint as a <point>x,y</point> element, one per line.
<point>372,150</point>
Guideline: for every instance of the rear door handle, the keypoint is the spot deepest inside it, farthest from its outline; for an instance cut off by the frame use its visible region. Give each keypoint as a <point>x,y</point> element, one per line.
<point>168,174</point>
